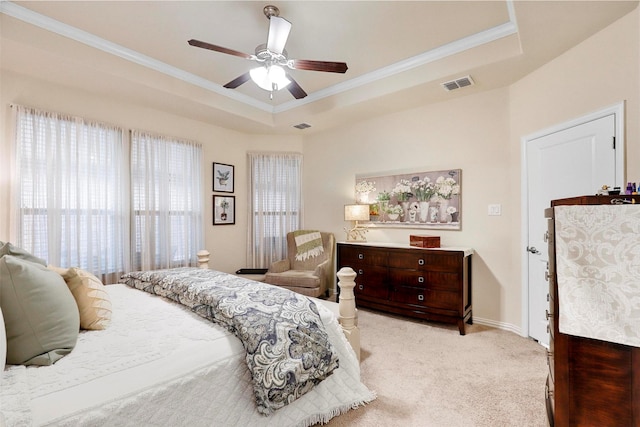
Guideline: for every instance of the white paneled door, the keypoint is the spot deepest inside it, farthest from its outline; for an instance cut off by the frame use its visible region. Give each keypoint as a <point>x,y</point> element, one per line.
<point>574,161</point>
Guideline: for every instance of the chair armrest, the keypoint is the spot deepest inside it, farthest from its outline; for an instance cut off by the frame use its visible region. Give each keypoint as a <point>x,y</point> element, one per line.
<point>321,269</point>
<point>280,266</point>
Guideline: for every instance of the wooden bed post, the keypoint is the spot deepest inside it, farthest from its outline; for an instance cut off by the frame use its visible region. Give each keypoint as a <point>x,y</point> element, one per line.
<point>347,307</point>
<point>203,258</point>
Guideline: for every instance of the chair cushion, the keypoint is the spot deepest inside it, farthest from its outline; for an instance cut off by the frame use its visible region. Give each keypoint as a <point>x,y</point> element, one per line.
<point>297,278</point>
<point>41,317</point>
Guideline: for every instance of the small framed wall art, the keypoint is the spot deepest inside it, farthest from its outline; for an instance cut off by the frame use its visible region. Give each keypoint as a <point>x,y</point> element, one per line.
<point>223,178</point>
<point>224,210</point>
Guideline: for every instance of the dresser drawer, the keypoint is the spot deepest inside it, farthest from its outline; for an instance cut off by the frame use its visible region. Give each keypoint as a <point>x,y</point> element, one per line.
<point>426,260</point>
<point>424,279</point>
<point>352,256</point>
<point>370,283</point>
<point>426,297</point>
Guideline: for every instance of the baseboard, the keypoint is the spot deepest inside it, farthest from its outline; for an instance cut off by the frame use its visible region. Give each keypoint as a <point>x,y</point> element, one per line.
<point>499,325</point>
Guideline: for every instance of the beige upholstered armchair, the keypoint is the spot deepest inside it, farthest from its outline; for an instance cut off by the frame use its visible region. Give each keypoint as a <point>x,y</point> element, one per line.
<point>309,268</point>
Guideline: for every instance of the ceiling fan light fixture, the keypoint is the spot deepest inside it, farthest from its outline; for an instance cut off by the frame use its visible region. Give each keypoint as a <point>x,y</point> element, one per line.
<point>270,78</point>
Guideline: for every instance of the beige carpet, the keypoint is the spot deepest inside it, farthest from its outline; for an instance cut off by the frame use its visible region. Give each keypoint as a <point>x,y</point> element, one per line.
<point>426,374</point>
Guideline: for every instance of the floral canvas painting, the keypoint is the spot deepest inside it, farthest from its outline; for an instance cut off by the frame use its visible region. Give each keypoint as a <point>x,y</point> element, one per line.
<point>412,200</point>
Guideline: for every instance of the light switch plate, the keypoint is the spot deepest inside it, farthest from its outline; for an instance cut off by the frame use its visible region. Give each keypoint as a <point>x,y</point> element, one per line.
<point>495,210</point>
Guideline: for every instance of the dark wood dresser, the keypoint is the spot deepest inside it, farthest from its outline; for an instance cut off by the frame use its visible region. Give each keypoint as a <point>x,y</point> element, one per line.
<point>590,382</point>
<point>430,284</point>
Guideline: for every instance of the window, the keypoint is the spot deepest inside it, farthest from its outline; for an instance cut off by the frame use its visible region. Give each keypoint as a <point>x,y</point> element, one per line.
<point>275,205</point>
<point>167,213</point>
<point>74,197</point>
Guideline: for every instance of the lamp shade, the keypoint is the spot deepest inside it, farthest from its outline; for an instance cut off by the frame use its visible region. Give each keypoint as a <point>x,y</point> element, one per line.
<point>269,78</point>
<point>356,212</point>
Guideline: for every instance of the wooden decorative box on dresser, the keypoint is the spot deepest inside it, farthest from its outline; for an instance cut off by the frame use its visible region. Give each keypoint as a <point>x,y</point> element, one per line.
<point>590,382</point>
<point>430,284</point>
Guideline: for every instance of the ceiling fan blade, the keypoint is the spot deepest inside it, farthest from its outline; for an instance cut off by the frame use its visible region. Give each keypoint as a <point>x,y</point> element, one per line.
<point>238,81</point>
<point>328,66</point>
<point>295,89</point>
<point>279,29</point>
<point>205,45</point>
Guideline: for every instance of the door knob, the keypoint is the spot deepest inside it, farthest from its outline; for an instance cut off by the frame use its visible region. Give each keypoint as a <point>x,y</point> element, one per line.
<point>533,250</point>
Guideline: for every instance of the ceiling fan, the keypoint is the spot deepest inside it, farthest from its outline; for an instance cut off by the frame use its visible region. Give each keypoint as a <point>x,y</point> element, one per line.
<point>272,57</point>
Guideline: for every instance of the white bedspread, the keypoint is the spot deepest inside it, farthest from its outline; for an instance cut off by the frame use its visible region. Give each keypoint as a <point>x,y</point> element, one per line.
<point>159,364</point>
<point>598,268</point>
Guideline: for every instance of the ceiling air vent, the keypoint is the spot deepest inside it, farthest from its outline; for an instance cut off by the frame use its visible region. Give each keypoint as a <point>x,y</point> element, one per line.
<point>302,126</point>
<point>458,83</point>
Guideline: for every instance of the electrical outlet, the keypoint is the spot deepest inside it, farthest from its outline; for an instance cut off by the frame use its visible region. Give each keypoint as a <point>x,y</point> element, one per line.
<point>495,210</point>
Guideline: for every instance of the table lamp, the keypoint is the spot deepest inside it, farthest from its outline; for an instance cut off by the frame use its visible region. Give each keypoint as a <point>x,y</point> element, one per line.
<point>356,213</point>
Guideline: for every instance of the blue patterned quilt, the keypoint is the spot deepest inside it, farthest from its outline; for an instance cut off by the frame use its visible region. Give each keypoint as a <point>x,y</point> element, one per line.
<point>287,349</point>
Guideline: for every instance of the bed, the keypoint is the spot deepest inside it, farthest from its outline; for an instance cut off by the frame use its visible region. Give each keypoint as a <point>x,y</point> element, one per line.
<point>160,363</point>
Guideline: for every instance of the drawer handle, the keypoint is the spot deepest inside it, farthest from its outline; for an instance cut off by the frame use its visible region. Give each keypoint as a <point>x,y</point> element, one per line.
<point>420,279</point>
<point>421,297</point>
<point>360,256</point>
<point>360,287</point>
<point>360,272</point>
<point>549,391</point>
<point>420,262</point>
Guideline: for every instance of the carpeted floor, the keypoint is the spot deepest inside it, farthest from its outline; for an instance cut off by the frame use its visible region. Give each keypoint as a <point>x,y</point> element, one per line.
<point>426,374</point>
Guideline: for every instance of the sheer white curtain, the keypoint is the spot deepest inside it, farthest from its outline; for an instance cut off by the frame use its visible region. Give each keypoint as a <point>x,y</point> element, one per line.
<point>166,183</point>
<point>275,205</point>
<point>73,192</point>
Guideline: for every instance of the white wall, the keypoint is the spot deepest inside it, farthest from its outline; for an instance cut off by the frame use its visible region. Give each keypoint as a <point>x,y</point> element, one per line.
<point>471,134</point>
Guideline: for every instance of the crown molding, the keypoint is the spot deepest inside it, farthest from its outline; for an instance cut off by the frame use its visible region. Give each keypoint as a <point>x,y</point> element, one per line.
<point>487,36</point>
<point>441,52</point>
<point>49,24</point>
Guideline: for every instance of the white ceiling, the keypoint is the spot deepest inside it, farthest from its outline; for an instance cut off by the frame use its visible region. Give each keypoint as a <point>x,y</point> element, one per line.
<point>398,52</point>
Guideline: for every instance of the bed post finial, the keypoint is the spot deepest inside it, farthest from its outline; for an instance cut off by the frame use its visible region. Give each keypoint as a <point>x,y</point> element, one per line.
<point>203,258</point>
<point>347,307</point>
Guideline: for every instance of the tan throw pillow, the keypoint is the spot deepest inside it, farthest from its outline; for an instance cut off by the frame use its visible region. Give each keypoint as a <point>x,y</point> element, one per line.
<point>61,271</point>
<point>92,298</point>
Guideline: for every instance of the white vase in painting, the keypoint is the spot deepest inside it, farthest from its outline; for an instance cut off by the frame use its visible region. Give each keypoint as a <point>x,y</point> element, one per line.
<point>443,215</point>
<point>423,210</point>
<point>433,214</point>
<point>405,209</point>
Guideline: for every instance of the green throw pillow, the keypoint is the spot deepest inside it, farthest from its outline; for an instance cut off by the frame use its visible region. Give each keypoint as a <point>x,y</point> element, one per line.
<point>40,314</point>
<point>9,249</point>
